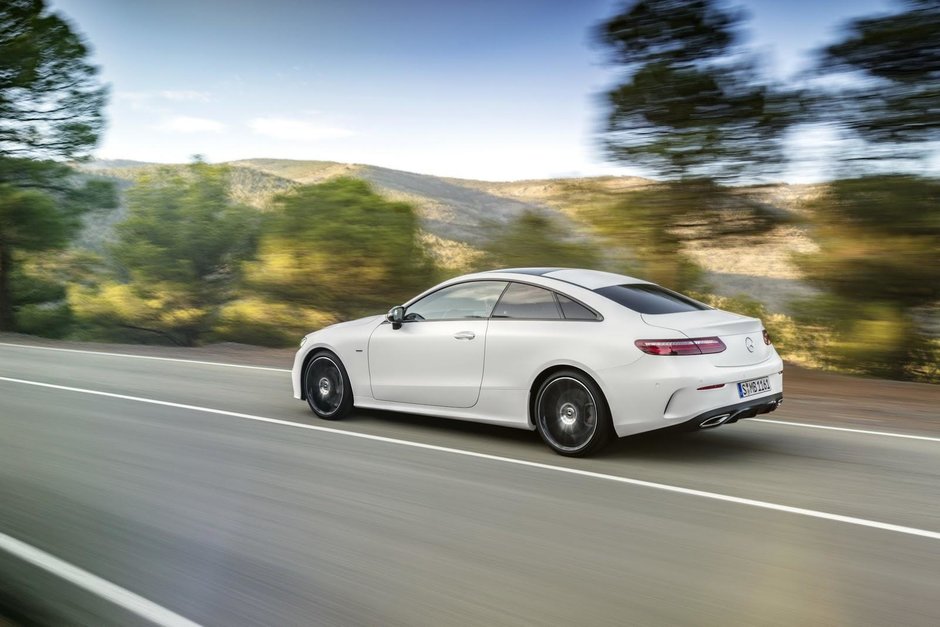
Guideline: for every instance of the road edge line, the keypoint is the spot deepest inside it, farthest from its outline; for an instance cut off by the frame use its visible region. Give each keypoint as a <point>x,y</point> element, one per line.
<point>889,434</point>
<point>90,582</point>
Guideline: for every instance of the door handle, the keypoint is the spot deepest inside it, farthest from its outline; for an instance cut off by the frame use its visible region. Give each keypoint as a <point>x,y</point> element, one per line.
<point>465,335</point>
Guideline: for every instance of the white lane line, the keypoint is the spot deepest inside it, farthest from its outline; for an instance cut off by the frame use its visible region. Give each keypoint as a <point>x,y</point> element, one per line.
<point>913,531</point>
<point>114,593</point>
<point>827,428</point>
<point>185,361</point>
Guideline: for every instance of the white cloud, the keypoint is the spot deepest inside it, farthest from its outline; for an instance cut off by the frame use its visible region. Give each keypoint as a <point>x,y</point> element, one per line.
<point>185,95</point>
<point>188,124</point>
<point>296,130</point>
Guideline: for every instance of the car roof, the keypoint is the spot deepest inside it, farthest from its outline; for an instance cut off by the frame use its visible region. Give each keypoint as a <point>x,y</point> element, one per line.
<point>590,279</point>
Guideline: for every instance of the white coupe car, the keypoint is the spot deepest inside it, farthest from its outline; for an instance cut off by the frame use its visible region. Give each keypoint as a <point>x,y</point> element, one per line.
<point>578,355</point>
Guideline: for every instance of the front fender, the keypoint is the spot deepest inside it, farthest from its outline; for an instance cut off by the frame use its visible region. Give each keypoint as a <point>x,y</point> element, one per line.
<point>347,340</point>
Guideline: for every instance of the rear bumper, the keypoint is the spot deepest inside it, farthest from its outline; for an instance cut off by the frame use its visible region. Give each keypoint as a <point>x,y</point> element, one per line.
<point>659,392</point>
<point>732,413</point>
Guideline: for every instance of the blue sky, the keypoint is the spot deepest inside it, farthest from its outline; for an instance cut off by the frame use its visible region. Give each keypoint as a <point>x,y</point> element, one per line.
<point>495,90</point>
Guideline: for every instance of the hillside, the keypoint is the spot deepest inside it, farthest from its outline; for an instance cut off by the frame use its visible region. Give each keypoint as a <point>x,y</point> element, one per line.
<point>460,215</point>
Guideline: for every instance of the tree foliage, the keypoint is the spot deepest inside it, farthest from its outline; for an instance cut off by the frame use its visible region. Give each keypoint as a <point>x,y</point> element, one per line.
<point>51,103</point>
<point>535,240</point>
<point>879,234</point>
<point>178,255</point>
<point>878,262</point>
<point>183,227</point>
<point>51,107</point>
<point>193,265</point>
<point>340,247</point>
<point>41,208</point>
<point>879,240</point>
<point>42,202</point>
<point>692,105</point>
<point>891,98</point>
<point>692,109</point>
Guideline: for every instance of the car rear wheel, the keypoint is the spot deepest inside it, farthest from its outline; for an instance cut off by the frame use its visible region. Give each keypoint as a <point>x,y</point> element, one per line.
<point>326,386</point>
<point>571,414</point>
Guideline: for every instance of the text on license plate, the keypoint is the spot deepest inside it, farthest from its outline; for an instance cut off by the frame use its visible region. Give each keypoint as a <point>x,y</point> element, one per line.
<point>753,387</point>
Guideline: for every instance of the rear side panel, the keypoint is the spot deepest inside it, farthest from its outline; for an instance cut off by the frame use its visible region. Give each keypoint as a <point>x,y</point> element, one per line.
<point>519,350</point>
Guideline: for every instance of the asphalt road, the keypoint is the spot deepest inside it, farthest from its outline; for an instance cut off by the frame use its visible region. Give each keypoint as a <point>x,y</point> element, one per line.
<point>224,518</point>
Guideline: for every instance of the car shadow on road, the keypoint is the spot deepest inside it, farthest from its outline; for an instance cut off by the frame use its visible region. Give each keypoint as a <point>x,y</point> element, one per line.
<point>441,426</point>
<point>668,445</point>
<point>691,446</point>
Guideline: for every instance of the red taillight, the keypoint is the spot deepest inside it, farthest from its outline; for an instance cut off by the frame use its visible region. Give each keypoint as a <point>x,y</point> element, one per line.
<point>694,346</point>
<point>767,338</point>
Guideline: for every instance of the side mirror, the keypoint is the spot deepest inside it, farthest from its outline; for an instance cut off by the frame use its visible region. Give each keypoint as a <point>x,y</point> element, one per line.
<point>395,315</point>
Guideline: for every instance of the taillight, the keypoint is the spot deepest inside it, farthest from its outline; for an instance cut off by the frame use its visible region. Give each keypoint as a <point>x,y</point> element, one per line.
<point>767,338</point>
<point>694,346</point>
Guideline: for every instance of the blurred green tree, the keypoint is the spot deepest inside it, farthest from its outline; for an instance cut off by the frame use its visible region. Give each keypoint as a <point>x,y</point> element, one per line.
<point>51,103</point>
<point>890,96</point>
<point>878,263</point>
<point>51,107</point>
<point>535,240</point>
<point>178,255</point>
<point>694,110</point>
<point>692,105</point>
<point>879,234</point>
<point>879,239</point>
<point>339,247</point>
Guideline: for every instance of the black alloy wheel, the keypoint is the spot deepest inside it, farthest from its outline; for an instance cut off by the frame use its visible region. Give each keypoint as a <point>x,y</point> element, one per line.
<point>326,387</point>
<point>571,414</point>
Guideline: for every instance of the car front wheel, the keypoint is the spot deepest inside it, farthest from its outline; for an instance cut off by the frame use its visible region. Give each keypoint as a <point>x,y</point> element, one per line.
<point>326,386</point>
<point>571,414</point>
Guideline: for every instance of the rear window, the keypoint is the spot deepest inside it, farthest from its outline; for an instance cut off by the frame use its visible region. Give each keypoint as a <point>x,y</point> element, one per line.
<point>649,299</point>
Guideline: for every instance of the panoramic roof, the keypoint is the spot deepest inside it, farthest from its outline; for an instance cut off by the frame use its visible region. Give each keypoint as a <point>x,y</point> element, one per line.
<point>532,271</point>
<point>591,279</point>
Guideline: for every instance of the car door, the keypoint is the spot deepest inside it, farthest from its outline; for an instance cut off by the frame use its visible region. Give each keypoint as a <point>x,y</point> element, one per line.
<point>436,356</point>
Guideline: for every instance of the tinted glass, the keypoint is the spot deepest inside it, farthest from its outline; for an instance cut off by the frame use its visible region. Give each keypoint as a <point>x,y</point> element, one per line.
<point>573,310</point>
<point>649,299</point>
<point>464,300</point>
<point>527,301</point>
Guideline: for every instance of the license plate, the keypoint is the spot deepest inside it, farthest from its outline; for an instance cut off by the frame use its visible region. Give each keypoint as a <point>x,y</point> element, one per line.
<point>753,387</point>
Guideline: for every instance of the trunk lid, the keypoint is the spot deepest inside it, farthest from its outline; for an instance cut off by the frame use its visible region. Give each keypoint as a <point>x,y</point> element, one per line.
<point>742,336</point>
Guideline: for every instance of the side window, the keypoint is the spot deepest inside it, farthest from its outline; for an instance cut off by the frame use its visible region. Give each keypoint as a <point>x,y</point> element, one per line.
<point>527,301</point>
<point>574,310</point>
<point>464,300</point>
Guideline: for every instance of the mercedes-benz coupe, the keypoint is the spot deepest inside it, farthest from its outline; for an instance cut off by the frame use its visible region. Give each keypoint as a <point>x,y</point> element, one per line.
<point>578,355</point>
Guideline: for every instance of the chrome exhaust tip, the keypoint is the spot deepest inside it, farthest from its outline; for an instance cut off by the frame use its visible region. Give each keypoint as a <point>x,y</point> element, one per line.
<point>714,421</point>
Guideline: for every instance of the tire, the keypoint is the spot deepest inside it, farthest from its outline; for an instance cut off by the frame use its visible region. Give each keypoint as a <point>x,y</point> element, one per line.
<point>326,386</point>
<point>571,415</point>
